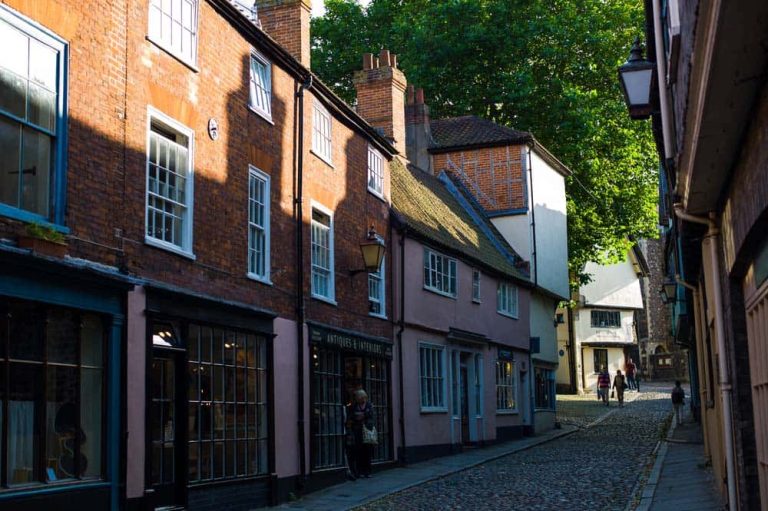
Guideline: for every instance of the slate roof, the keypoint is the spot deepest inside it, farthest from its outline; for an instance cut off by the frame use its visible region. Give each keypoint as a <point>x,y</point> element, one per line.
<point>471,130</point>
<point>432,212</point>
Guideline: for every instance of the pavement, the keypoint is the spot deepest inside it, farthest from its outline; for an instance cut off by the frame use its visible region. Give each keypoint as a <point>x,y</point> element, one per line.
<point>605,458</point>
<point>681,480</point>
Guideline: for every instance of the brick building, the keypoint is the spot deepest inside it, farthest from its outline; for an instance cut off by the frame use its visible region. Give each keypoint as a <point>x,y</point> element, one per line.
<point>181,154</point>
<point>710,121</point>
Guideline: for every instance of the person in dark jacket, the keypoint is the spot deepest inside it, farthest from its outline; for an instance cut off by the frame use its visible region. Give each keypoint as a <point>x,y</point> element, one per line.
<point>619,384</point>
<point>359,415</point>
<point>678,400</point>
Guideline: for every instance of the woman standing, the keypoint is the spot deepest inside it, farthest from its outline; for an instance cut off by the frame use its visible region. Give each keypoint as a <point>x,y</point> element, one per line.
<point>359,416</point>
<point>619,384</point>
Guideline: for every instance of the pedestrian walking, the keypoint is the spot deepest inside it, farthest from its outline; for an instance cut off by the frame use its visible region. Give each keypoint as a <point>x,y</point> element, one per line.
<point>678,400</point>
<point>361,434</point>
<point>603,384</point>
<point>619,385</point>
<point>630,372</point>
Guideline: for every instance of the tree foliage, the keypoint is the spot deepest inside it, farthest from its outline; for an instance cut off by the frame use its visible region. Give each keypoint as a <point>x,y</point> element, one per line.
<point>548,67</point>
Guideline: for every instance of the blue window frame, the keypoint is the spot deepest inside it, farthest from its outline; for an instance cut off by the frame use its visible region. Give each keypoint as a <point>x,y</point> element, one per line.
<point>32,121</point>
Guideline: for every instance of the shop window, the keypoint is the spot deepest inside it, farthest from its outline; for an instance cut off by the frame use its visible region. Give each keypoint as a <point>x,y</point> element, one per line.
<point>545,389</point>
<point>52,388</point>
<point>227,391</point>
<point>606,319</point>
<point>173,27</point>
<point>600,356</point>
<point>439,273</point>
<point>432,376</point>
<point>169,185</point>
<point>328,400</point>
<point>506,387</point>
<point>32,120</point>
<point>258,225</point>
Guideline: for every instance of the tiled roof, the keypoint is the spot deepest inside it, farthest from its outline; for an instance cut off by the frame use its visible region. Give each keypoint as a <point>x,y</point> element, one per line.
<point>473,131</point>
<point>430,210</point>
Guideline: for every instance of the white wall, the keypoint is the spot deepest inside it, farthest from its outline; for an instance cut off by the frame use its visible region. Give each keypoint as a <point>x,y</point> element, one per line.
<point>542,326</point>
<point>516,229</point>
<point>549,213</point>
<point>585,333</point>
<point>613,285</point>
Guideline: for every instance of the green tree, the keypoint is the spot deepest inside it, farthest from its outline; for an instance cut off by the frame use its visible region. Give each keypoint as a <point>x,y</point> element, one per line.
<point>548,67</point>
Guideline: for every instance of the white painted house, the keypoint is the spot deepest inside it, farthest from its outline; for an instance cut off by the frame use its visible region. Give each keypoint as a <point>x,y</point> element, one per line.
<point>603,328</point>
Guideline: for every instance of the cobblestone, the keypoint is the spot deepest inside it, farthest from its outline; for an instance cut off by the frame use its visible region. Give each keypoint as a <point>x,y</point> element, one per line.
<point>595,468</point>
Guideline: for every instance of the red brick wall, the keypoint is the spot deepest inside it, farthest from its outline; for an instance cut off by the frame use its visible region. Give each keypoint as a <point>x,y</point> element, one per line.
<point>493,175</point>
<point>106,175</point>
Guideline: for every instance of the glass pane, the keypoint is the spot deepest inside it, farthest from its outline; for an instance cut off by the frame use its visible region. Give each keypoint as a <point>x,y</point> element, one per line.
<point>218,346</point>
<point>13,92</point>
<point>24,390</point>
<point>62,335</point>
<point>92,338</point>
<point>61,418</point>
<point>26,332</point>
<point>10,140</point>
<point>218,420</point>
<point>193,342</point>
<point>91,388</point>
<point>193,380</point>
<point>218,459</point>
<point>36,170</point>
<point>41,109</point>
<point>205,344</point>
<point>17,59</point>
<point>194,421</point>
<point>205,460</point>
<point>194,473</point>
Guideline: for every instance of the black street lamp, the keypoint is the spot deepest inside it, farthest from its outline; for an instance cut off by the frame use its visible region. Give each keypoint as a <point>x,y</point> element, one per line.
<point>636,77</point>
<point>668,291</point>
<point>373,249</point>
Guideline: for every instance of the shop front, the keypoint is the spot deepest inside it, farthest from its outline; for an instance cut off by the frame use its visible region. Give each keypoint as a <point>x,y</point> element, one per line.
<point>209,421</point>
<point>60,385</point>
<point>341,363</point>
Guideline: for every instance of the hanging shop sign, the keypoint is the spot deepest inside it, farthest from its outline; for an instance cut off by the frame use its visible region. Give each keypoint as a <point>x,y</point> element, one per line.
<point>349,342</point>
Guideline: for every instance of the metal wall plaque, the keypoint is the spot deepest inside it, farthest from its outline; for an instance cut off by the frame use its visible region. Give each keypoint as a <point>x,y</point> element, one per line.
<point>213,128</point>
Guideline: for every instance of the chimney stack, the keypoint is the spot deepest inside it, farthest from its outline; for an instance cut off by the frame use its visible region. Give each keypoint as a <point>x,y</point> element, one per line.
<point>381,96</point>
<point>417,133</point>
<point>287,22</point>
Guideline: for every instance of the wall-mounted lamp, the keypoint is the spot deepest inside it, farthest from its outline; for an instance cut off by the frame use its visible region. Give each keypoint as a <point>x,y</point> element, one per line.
<point>668,291</point>
<point>635,78</point>
<point>372,248</point>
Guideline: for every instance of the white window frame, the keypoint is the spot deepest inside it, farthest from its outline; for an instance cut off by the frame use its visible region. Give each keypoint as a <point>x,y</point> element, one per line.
<point>508,382</point>
<point>607,314</point>
<point>264,111</point>
<point>431,380</point>
<point>476,285</point>
<point>322,132</point>
<point>255,173</point>
<point>331,298</point>
<point>188,228</point>
<point>155,9</point>
<point>375,172</point>
<point>429,269</point>
<point>380,299</point>
<point>507,299</point>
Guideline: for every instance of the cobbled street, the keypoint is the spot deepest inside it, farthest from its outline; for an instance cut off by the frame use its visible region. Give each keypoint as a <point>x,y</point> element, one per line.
<point>596,468</point>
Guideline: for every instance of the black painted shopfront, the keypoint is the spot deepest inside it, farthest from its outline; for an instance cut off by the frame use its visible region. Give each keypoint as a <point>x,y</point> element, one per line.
<point>342,362</point>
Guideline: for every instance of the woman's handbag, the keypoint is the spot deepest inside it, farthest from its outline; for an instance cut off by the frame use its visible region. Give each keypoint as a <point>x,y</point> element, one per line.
<point>612,394</point>
<point>370,436</point>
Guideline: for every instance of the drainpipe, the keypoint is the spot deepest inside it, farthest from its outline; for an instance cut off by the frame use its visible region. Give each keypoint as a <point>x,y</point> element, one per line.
<point>725,381</point>
<point>666,124</point>
<point>401,328</point>
<point>533,224</point>
<point>300,308</point>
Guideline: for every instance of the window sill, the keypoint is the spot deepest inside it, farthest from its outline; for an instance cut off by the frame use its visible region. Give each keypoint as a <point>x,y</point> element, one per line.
<point>433,410</point>
<point>507,412</point>
<point>376,194</point>
<point>322,158</point>
<point>191,65</point>
<point>478,302</point>
<point>54,487</point>
<point>507,314</point>
<point>438,292</point>
<point>262,280</point>
<point>261,113</point>
<point>325,299</point>
<point>168,247</point>
<point>379,316</point>
<point>29,217</point>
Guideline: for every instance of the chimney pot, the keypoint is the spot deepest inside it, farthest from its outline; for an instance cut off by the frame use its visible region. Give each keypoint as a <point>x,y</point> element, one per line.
<point>419,96</point>
<point>393,60</point>
<point>384,58</point>
<point>367,60</point>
